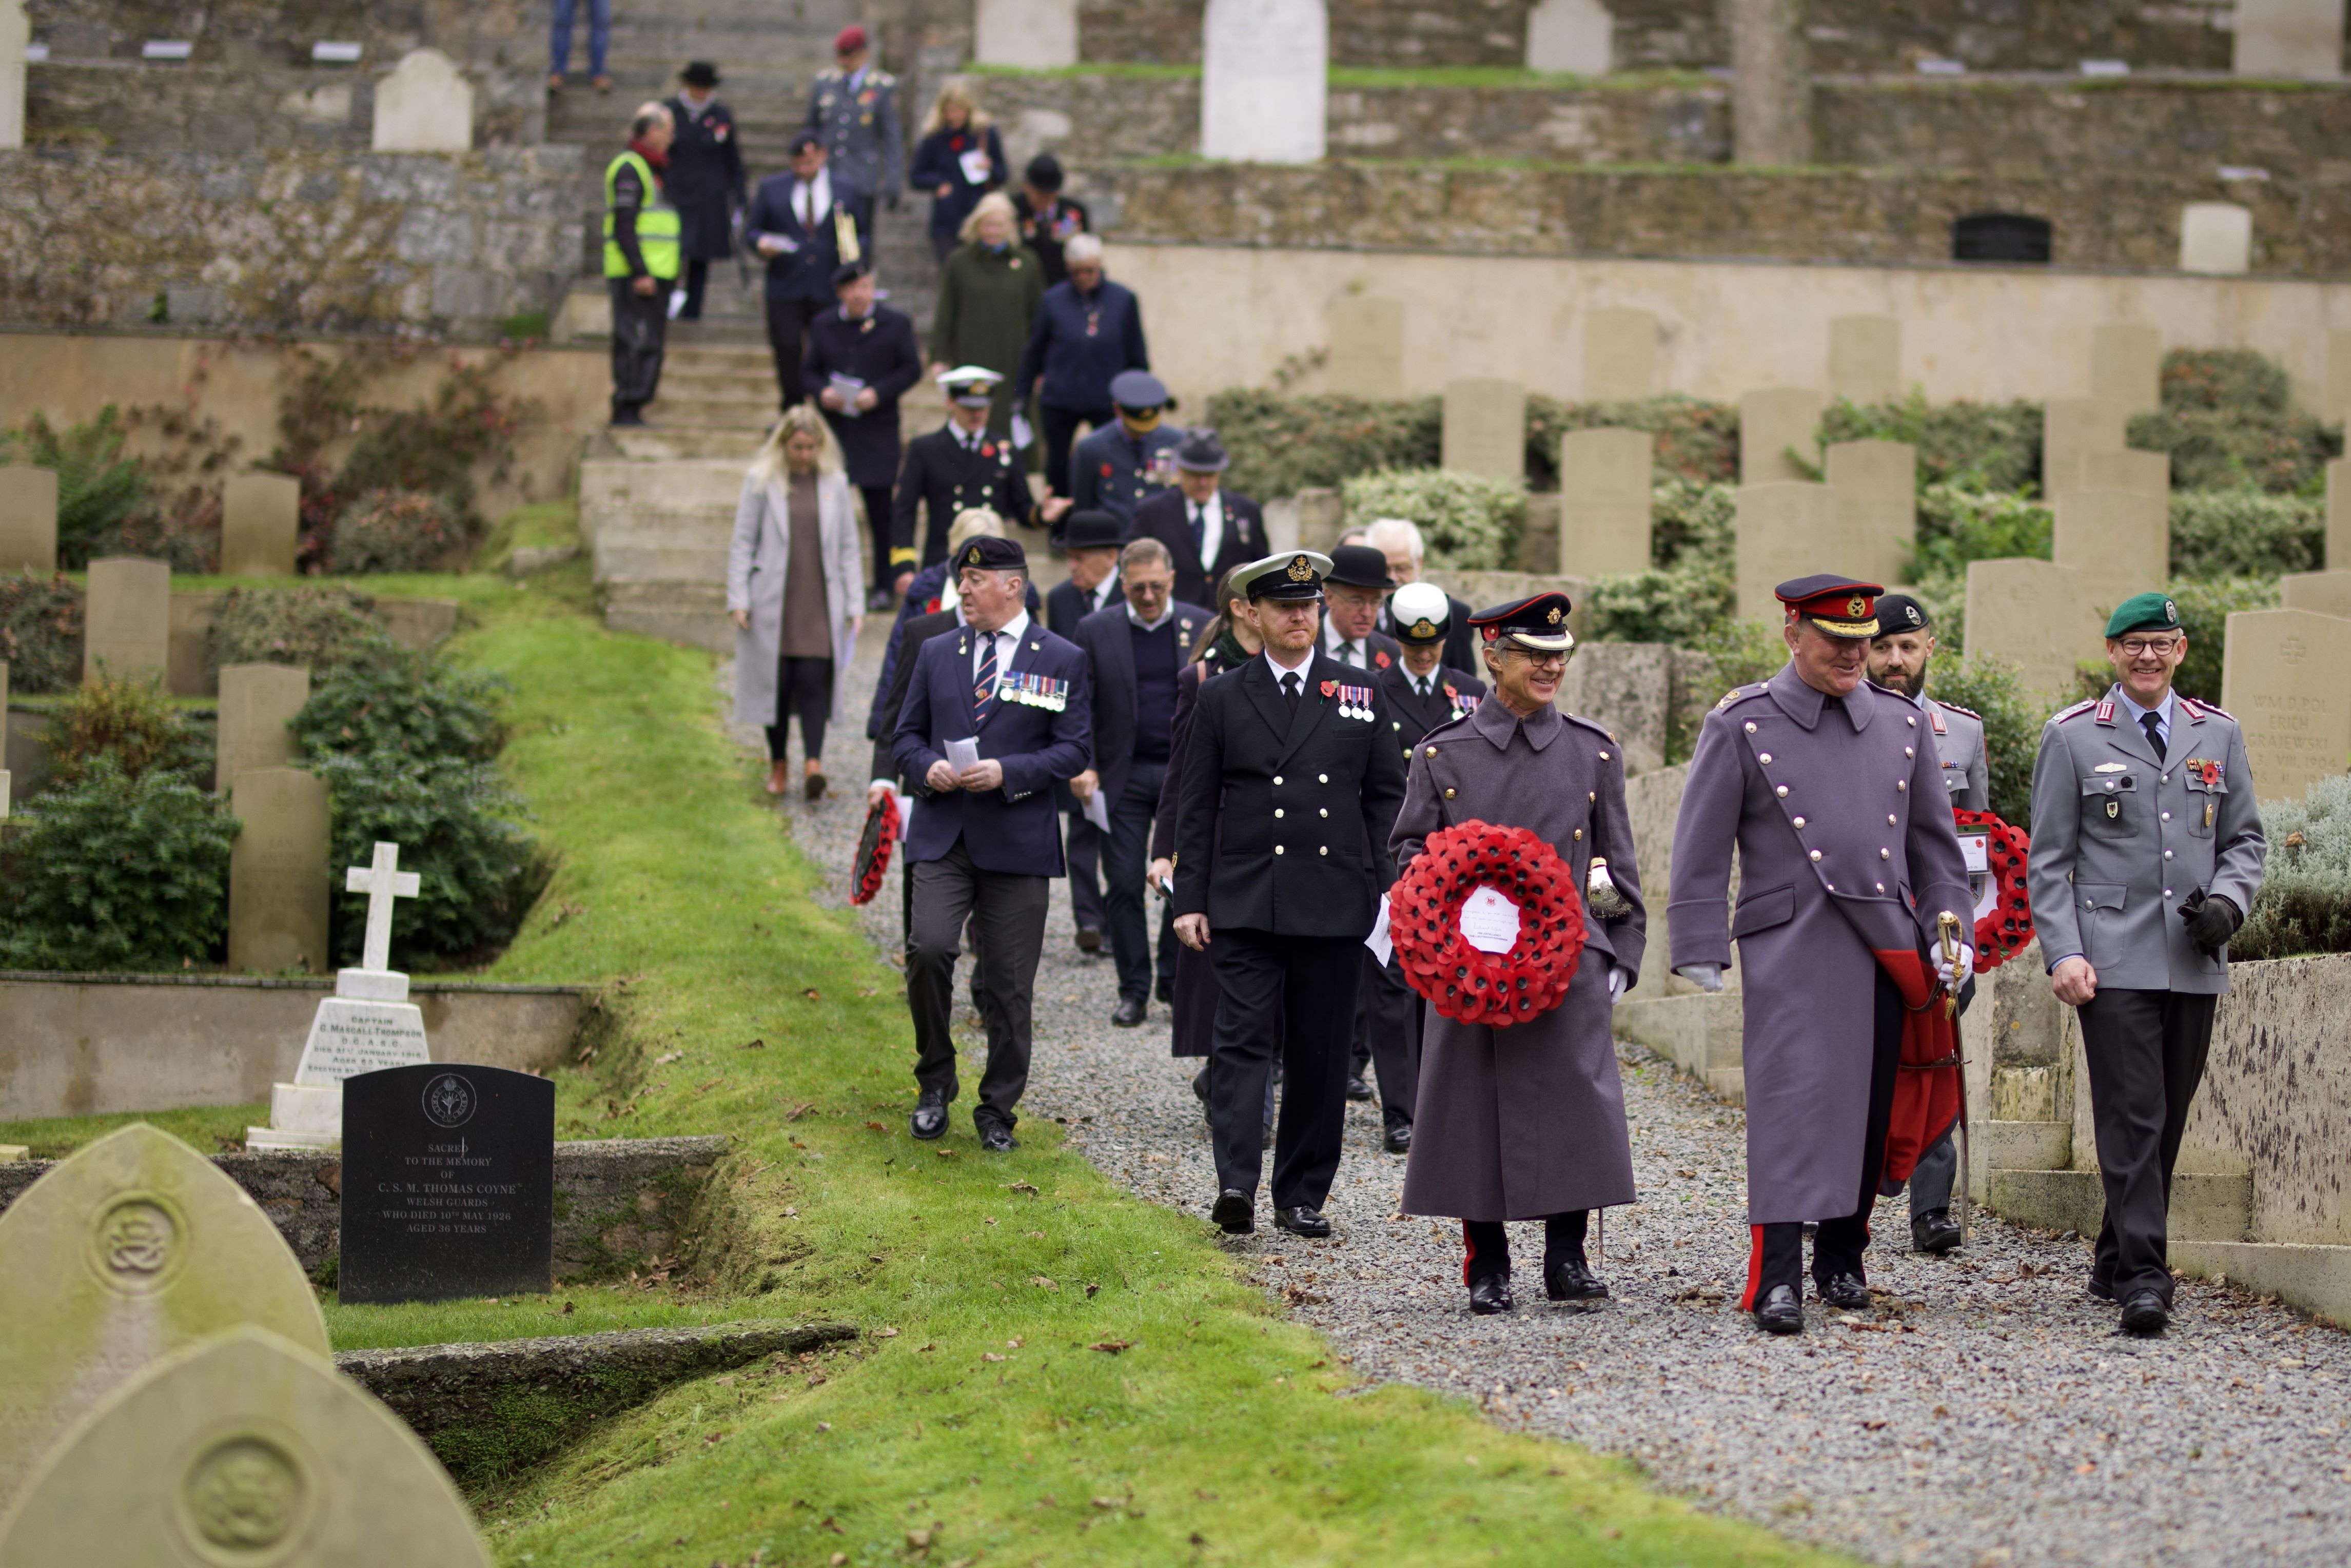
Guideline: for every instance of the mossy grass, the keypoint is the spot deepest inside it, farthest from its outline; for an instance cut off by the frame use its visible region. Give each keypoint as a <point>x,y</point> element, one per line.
<point>207,1129</point>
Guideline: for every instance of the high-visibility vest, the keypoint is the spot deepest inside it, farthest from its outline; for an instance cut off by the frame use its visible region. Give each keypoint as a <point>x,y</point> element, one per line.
<point>658,223</point>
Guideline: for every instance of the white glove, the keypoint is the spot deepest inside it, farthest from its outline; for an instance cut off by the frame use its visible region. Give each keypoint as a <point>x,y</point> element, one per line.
<point>1705,976</point>
<point>1954,973</point>
<point>1619,980</point>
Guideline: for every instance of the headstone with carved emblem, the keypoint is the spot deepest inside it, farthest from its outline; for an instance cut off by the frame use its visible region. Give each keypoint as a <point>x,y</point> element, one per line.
<point>2282,678</point>
<point>131,1250</point>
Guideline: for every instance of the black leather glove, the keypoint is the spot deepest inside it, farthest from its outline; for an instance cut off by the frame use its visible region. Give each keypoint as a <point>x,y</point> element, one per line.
<point>2211,919</point>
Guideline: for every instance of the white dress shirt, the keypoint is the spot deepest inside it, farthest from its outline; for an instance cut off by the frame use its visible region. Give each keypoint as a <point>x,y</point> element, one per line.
<point>1008,643</point>
<point>1212,527</point>
<point>1305,667</point>
<point>1356,653</point>
<point>1101,596</point>
<point>811,199</point>
<point>2138,715</point>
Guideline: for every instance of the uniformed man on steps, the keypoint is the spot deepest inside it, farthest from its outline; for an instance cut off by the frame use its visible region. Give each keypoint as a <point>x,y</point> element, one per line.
<point>1899,657</point>
<point>1131,458</point>
<point>954,468</point>
<point>853,110</point>
<point>1291,781</point>
<point>1847,860</point>
<point>2147,852</point>
<point>642,253</point>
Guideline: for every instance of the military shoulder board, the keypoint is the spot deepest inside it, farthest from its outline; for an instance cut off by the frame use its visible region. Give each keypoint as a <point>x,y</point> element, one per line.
<point>1032,690</point>
<point>2076,711</point>
<point>1935,717</point>
<point>2106,710</point>
<point>2197,706</point>
<point>1355,702</point>
<point>1956,709</point>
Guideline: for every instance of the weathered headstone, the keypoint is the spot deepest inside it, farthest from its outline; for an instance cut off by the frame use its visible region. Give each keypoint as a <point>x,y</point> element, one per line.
<point>1485,428</point>
<point>1876,487</point>
<point>2294,38</point>
<point>2328,592</point>
<point>367,1025</point>
<point>277,884</point>
<point>2119,541</point>
<point>1366,346</point>
<point>1321,517</point>
<point>2126,365</point>
<point>2035,615</point>
<point>1628,687</point>
<point>129,1251</point>
<point>243,1448</point>
<point>1574,37</point>
<point>1264,80</point>
<point>2338,515</point>
<point>1603,501</point>
<point>2335,397</point>
<point>1865,358</point>
<point>261,522</point>
<point>1783,530</point>
<point>2071,429</point>
<point>2281,677</point>
<point>2216,238</point>
<point>1773,422</point>
<point>29,517</point>
<point>2143,472</point>
<point>1771,82</point>
<point>256,702</point>
<point>127,619</point>
<point>424,105</point>
<point>1035,35</point>
<point>449,1184</point>
<point>15,32</point>
<point>1620,355</point>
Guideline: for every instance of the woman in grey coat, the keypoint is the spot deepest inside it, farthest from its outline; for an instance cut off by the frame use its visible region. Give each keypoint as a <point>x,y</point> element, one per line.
<point>794,587</point>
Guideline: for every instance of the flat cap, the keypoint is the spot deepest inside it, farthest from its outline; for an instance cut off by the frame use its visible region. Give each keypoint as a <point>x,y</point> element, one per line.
<point>1840,606</point>
<point>2144,612</point>
<point>1537,623</point>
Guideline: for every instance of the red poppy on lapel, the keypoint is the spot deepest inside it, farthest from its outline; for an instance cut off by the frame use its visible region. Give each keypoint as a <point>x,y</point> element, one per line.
<point>1105,470</point>
<point>1330,686</point>
<point>987,449</point>
<point>1380,659</point>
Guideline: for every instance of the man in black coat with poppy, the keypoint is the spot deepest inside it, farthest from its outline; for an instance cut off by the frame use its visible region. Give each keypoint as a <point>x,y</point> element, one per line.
<point>954,468</point>
<point>862,359</point>
<point>706,181</point>
<point>1208,529</point>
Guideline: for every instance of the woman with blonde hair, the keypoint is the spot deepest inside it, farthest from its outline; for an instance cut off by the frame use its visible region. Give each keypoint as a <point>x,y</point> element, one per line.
<point>959,159</point>
<point>990,292</point>
<point>794,587</point>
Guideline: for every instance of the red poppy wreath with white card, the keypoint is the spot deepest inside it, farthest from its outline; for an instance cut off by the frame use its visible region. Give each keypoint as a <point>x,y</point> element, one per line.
<point>1488,925</point>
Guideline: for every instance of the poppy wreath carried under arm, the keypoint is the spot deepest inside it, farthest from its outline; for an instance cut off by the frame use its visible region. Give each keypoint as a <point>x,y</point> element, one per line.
<point>1459,980</point>
<point>2004,923</point>
<point>874,847</point>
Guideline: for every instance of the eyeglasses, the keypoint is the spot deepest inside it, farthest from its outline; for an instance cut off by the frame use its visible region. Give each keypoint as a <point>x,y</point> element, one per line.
<point>1543,661</point>
<point>2140,647</point>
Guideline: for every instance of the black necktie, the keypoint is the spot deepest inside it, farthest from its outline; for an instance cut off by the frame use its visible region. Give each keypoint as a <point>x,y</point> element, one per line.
<point>1289,689</point>
<point>2153,724</point>
<point>1199,529</point>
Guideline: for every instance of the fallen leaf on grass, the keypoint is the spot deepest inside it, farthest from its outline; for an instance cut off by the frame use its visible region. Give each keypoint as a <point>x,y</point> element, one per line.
<point>876,1127</point>
<point>1112,1346</point>
<point>1091,1288</point>
<point>1108,1501</point>
<point>706,1088</point>
<point>1029,1187</point>
<point>990,1356</point>
<point>944,1154</point>
<point>1042,1284</point>
<point>753,1045</point>
<point>885,1334</point>
<point>665,1060</point>
<point>812,994</point>
<point>797,1112</point>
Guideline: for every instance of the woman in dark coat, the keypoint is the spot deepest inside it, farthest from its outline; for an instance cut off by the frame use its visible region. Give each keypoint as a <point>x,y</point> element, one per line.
<point>957,144</point>
<point>990,292</point>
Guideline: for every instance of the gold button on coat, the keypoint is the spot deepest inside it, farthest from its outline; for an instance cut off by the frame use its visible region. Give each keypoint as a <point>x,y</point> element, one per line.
<point>1816,854</point>
<point>1448,791</point>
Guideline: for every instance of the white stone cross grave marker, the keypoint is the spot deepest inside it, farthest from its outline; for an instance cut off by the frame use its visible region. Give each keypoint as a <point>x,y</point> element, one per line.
<point>382,882</point>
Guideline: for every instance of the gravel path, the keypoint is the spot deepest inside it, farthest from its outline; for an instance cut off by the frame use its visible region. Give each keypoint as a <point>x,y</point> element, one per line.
<point>1986,1413</point>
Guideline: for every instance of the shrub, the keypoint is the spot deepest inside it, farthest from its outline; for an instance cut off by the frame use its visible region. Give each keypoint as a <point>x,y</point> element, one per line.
<point>2204,611</point>
<point>324,628</point>
<point>1698,442</point>
<point>118,872</point>
<point>1957,526</point>
<point>1689,595</point>
<point>40,632</point>
<point>2245,533</point>
<point>1470,522</point>
<point>129,723</point>
<point>2230,449</point>
<point>2012,726</point>
<point>406,706</point>
<point>1970,446</point>
<point>2304,903</point>
<point>394,530</point>
<point>2223,378</point>
<point>1281,445</point>
<point>98,487</point>
<point>455,824</point>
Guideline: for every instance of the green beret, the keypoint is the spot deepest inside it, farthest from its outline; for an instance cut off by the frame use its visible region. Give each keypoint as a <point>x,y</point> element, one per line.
<point>2143,612</point>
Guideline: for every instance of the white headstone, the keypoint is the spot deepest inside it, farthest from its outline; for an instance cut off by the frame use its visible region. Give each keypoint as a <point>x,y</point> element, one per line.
<point>2119,541</point>
<point>1366,358</point>
<point>1877,489</point>
<point>2148,473</point>
<point>2336,396</point>
<point>2338,515</point>
<point>29,515</point>
<point>1604,513</point>
<point>2126,365</point>
<point>127,619</point>
<point>1783,530</point>
<point>1264,80</point>
<point>1485,429</point>
<point>2294,39</point>
<point>1773,422</point>
<point>1865,358</point>
<point>1035,35</point>
<point>1577,38</point>
<point>2035,615</point>
<point>261,525</point>
<point>2216,238</point>
<point>2328,592</point>
<point>2281,677</point>
<point>424,105</point>
<point>2072,428</point>
<point>15,32</point>
<point>1620,355</point>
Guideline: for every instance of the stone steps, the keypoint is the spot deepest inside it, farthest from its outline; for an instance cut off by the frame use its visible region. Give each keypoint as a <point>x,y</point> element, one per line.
<point>2315,1278</point>
<point>656,444</point>
<point>2204,1208</point>
<point>1699,1033</point>
<point>692,614</point>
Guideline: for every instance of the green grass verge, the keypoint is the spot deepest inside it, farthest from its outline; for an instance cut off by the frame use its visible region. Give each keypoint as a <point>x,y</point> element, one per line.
<point>207,1129</point>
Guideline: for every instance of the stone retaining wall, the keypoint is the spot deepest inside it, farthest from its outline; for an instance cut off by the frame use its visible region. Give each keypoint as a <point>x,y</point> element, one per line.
<point>123,106</point>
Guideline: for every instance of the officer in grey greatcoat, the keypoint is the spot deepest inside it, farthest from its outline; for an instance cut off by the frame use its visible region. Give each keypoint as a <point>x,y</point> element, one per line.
<point>1899,657</point>
<point>853,110</point>
<point>1528,1122</point>
<point>1847,858</point>
<point>2147,852</point>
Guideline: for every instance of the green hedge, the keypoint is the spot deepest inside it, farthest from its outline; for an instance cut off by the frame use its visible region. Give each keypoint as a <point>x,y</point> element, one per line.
<point>1469,522</point>
<point>329,629</point>
<point>1970,446</point>
<point>40,632</point>
<point>2305,905</point>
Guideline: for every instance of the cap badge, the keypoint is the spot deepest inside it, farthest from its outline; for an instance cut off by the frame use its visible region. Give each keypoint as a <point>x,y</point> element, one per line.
<point>1424,627</point>
<point>972,558</point>
<point>2170,610</point>
<point>1857,607</point>
<point>1553,616</point>
<point>1300,570</point>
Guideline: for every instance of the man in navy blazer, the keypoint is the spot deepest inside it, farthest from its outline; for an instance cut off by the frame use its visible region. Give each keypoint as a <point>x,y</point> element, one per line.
<point>805,224</point>
<point>1208,529</point>
<point>1137,648</point>
<point>986,840</point>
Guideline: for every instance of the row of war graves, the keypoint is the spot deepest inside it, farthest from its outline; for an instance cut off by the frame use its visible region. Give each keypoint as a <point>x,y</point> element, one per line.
<point>135,627</point>
<point>2111,504</point>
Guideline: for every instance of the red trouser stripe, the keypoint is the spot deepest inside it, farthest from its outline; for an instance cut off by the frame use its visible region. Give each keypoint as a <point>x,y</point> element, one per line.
<point>1754,1268</point>
<point>1469,1251</point>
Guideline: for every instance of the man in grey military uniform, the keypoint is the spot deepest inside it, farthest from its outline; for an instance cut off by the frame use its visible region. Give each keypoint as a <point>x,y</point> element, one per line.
<point>2147,852</point>
<point>1899,657</point>
<point>853,110</point>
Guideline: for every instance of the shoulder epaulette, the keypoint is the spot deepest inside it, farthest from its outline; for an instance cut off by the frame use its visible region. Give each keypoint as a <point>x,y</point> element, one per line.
<point>1956,709</point>
<point>1739,695</point>
<point>2076,711</point>
<point>1591,723</point>
<point>1450,724</point>
<point>2197,706</point>
<point>881,78</point>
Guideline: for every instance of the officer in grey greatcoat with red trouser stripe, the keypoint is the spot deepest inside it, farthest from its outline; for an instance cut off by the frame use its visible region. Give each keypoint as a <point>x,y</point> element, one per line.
<point>1828,791</point>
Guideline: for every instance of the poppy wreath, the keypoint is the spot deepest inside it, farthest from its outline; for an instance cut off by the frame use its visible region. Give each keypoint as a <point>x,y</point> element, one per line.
<point>882,832</point>
<point>2006,928</point>
<point>1462,982</point>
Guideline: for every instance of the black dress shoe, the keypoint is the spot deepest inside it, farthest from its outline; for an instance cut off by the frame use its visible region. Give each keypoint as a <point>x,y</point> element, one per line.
<point>1165,991</point>
<point>2101,1288</point>
<point>1129,1012</point>
<point>1397,1139</point>
<point>1235,1212</point>
<point>1490,1293</point>
<point>1357,1088</point>
<point>1845,1291</point>
<point>996,1138</point>
<point>930,1118</point>
<point>1934,1231</point>
<point>1088,939</point>
<point>1302,1220</point>
<point>1779,1311</point>
<point>2145,1313</point>
<point>1200,1086</point>
<point>1567,1280</point>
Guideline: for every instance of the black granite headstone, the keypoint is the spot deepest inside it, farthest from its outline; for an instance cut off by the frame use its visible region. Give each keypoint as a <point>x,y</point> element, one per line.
<point>448,1183</point>
<point>2002,236</point>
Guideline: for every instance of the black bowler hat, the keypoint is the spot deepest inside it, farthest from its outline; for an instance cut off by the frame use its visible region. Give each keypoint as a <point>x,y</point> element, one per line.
<point>1360,565</point>
<point>848,272</point>
<point>1537,625</point>
<point>1840,606</point>
<point>700,73</point>
<point>1045,172</point>
<point>1092,531</point>
<point>1294,574</point>
<point>1201,453</point>
<point>1900,612</point>
<point>991,552</point>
